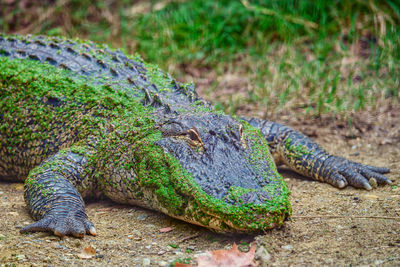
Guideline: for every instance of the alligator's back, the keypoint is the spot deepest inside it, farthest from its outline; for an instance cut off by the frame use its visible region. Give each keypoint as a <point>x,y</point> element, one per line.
<point>102,65</point>
<point>35,124</point>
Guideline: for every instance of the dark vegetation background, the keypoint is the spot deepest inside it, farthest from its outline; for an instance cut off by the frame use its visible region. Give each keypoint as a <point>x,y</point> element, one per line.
<point>250,57</point>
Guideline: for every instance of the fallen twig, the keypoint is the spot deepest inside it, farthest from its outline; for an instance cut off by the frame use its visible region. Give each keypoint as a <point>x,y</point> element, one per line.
<point>189,237</point>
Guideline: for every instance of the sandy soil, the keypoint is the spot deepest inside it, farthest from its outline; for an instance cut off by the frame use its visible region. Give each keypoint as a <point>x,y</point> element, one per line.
<point>328,227</point>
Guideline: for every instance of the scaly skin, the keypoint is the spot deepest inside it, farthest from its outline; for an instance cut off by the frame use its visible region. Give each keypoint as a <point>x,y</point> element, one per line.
<point>306,157</point>
<point>80,120</point>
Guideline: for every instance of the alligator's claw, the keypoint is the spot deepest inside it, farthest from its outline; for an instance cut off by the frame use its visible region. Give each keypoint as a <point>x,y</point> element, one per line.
<point>62,226</point>
<point>346,172</point>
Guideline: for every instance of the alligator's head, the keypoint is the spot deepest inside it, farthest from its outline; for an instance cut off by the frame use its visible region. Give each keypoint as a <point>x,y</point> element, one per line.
<point>235,185</point>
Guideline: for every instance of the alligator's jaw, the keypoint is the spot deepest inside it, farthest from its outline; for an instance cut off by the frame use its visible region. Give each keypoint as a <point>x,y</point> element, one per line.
<point>216,223</point>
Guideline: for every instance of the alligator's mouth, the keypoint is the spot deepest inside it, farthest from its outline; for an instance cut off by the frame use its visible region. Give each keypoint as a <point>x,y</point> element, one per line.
<point>215,222</point>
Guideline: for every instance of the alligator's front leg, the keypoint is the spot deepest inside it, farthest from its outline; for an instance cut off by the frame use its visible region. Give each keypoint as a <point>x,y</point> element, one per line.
<point>51,193</point>
<point>306,157</point>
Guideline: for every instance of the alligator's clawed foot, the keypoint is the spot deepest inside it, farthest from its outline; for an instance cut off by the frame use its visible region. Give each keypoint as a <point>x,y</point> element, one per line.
<point>345,172</point>
<point>62,226</point>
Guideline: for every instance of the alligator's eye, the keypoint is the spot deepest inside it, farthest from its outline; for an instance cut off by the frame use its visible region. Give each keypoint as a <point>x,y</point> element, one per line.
<point>194,138</point>
<point>194,135</point>
<point>241,130</point>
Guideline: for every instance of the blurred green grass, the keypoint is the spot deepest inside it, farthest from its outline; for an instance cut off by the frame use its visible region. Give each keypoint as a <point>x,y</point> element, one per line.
<point>304,56</point>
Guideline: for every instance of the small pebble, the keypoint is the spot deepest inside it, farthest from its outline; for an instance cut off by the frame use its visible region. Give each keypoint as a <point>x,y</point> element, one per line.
<point>136,232</point>
<point>142,217</point>
<point>287,247</point>
<point>191,247</point>
<point>162,263</point>
<point>146,262</point>
<point>61,247</point>
<point>262,255</point>
<point>151,226</point>
<point>20,257</point>
<point>161,252</point>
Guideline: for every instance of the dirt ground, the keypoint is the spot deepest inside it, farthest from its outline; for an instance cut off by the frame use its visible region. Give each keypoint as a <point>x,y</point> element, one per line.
<point>328,226</point>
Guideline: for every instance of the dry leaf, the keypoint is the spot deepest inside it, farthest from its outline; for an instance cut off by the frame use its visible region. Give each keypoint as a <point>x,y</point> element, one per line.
<point>224,258</point>
<point>166,230</point>
<point>178,264</point>
<point>87,253</point>
<point>228,258</point>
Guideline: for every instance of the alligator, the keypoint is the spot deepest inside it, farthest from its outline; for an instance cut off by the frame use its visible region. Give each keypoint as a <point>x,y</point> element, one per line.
<point>79,120</point>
